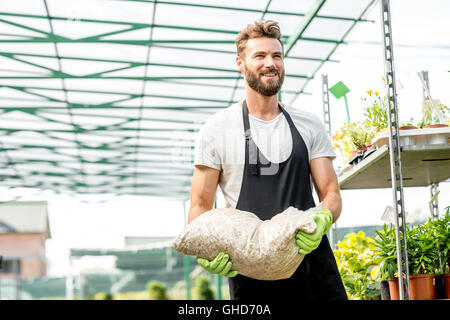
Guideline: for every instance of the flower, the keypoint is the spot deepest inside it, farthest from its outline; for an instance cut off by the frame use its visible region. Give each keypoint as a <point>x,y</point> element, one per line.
<point>369,92</point>
<point>377,93</point>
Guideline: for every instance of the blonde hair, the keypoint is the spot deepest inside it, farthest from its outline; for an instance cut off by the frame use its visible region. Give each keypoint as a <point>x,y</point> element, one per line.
<point>259,29</point>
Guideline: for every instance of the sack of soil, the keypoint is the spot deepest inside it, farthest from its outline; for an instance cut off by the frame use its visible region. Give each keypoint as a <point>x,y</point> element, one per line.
<point>263,250</point>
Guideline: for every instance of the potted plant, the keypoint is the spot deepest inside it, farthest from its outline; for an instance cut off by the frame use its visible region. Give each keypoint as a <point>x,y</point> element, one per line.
<point>342,142</point>
<point>386,251</point>
<point>423,260</point>
<point>360,134</point>
<point>357,264</point>
<point>431,117</point>
<point>376,111</point>
<point>408,125</point>
<point>441,229</point>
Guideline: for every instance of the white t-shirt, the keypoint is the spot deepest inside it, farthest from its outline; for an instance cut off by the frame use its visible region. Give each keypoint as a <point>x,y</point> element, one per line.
<point>221,143</point>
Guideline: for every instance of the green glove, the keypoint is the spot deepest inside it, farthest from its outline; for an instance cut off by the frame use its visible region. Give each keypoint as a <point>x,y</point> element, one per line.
<point>308,242</point>
<point>220,265</point>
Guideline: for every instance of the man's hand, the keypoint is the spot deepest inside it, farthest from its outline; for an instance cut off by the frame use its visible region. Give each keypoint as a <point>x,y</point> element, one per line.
<point>308,242</point>
<point>220,265</point>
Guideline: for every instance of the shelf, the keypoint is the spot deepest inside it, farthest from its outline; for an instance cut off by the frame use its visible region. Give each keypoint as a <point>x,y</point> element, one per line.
<point>422,165</point>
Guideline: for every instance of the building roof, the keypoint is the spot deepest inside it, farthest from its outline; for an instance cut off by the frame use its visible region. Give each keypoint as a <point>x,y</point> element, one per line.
<point>24,217</point>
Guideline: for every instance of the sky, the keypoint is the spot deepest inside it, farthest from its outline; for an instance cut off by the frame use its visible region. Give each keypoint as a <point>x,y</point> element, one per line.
<point>420,43</point>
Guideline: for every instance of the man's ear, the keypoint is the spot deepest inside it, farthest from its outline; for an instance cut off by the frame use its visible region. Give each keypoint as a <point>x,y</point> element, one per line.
<point>240,64</point>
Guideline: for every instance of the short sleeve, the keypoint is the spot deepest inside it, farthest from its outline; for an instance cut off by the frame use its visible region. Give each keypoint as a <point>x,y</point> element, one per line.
<point>206,149</point>
<point>321,144</point>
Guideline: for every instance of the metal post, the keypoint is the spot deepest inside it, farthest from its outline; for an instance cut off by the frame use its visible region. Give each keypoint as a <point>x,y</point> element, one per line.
<point>187,262</point>
<point>434,207</point>
<point>16,270</point>
<point>395,151</point>
<point>333,233</point>
<point>425,85</point>
<point>82,284</point>
<point>326,104</point>
<point>69,281</point>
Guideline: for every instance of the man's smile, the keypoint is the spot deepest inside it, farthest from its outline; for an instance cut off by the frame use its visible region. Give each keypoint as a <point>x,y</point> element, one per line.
<point>269,75</point>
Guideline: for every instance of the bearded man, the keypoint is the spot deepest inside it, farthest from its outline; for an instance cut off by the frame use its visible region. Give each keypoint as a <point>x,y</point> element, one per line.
<point>266,159</point>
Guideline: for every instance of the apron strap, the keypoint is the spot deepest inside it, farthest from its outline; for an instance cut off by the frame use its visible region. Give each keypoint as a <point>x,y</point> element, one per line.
<point>253,153</point>
<point>251,148</point>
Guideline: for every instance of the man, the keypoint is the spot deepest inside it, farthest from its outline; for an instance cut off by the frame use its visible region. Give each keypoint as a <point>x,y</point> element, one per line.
<point>264,159</point>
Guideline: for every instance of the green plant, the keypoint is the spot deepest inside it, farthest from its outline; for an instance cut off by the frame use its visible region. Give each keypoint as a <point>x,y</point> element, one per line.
<point>423,254</point>
<point>386,250</point>
<point>408,123</point>
<point>430,116</point>
<point>202,289</point>
<point>428,246</point>
<point>376,111</point>
<point>441,228</point>
<point>103,296</point>
<point>352,136</point>
<point>131,295</point>
<point>357,265</point>
<point>157,291</point>
<point>342,142</point>
<point>360,133</point>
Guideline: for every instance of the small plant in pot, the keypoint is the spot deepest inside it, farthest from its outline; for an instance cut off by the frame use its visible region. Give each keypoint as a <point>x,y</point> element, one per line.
<point>441,229</point>
<point>360,134</point>
<point>386,251</point>
<point>423,260</point>
<point>376,111</point>
<point>431,118</point>
<point>408,125</point>
<point>342,142</point>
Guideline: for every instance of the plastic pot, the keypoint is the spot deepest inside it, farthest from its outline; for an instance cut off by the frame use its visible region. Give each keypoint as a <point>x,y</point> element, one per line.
<point>422,287</point>
<point>438,125</point>
<point>393,289</point>
<point>384,288</point>
<point>439,286</point>
<point>446,279</point>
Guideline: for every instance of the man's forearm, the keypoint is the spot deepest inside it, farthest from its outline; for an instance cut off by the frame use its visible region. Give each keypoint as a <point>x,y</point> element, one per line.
<point>332,201</point>
<point>196,211</point>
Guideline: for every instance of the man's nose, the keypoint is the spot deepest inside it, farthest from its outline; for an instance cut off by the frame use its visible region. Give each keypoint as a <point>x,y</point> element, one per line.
<point>269,62</point>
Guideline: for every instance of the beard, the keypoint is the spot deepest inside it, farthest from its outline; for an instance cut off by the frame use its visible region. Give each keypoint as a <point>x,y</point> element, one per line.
<point>266,89</point>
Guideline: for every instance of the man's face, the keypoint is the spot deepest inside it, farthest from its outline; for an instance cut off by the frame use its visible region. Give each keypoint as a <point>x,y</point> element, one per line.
<point>263,65</point>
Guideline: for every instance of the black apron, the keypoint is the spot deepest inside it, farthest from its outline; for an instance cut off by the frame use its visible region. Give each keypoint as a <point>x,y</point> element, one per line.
<point>268,189</point>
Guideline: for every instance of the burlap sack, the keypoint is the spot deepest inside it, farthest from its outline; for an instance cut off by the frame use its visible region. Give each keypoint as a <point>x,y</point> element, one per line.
<point>264,250</point>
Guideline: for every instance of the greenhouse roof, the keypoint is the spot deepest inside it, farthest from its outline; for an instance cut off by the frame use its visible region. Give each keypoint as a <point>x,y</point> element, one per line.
<point>107,96</point>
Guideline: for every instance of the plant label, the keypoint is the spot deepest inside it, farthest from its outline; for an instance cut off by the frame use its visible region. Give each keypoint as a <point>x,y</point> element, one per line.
<point>389,215</point>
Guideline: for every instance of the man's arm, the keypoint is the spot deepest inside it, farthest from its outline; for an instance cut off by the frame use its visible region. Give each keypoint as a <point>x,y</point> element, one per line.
<point>203,190</point>
<point>326,184</point>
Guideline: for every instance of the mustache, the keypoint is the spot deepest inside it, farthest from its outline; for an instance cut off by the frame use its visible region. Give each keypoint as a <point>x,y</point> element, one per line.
<point>273,70</point>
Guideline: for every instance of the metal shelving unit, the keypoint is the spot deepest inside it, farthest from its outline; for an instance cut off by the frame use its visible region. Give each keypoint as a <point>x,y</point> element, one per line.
<point>424,164</point>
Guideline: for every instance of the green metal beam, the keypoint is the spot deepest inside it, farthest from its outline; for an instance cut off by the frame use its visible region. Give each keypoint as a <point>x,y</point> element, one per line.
<point>58,39</point>
<point>59,74</point>
<point>7,54</point>
<point>32,110</point>
<point>371,3</point>
<point>289,44</point>
<point>288,13</point>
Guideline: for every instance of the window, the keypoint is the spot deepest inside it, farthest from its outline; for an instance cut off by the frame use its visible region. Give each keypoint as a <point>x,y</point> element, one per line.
<point>7,266</point>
